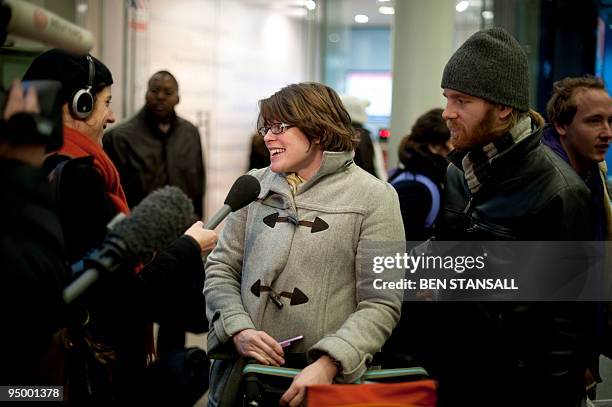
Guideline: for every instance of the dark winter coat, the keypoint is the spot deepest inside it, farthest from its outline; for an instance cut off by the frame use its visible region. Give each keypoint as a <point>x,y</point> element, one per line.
<point>32,275</point>
<point>148,159</point>
<point>508,353</point>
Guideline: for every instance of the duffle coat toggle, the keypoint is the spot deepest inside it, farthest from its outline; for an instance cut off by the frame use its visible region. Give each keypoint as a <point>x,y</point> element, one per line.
<point>297,297</point>
<point>318,225</point>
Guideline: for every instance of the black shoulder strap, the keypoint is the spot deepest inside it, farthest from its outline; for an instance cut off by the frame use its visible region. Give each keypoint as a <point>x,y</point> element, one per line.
<point>55,164</point>
<point>55,176</point>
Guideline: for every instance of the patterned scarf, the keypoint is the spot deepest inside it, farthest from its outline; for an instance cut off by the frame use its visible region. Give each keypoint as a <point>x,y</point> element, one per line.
<point>294,181</point>
<point>78,145</point>
<point>478,162</point>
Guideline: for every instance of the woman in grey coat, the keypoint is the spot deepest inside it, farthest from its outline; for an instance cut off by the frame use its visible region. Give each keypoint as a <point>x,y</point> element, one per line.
<point>290,263</point>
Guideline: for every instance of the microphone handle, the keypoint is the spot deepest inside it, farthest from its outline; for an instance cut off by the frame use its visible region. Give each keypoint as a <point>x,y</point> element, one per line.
<point>218,217</point>
<point>107,259</point>
<point>78,286</point>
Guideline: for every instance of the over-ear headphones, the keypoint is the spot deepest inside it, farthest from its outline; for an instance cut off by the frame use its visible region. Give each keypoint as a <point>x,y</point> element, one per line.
<point>82,102</point>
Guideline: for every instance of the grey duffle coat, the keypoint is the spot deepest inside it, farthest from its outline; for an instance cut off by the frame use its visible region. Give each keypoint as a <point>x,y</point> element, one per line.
<point>310,247</point>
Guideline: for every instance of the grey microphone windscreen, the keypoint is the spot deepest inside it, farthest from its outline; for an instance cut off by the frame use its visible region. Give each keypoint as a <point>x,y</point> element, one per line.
<point>155,222</point>
<point>36,23</point>
<point>244,191</point>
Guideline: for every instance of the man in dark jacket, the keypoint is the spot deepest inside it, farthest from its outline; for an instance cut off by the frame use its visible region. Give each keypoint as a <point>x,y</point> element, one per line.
<point>156,147</point>
<point>580,113</point>
<point>502,184</point>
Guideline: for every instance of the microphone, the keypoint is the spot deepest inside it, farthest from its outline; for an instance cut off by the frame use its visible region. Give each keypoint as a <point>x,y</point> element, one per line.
<point>153,224</point>
<point>244,191</point>
<point>33,22</point>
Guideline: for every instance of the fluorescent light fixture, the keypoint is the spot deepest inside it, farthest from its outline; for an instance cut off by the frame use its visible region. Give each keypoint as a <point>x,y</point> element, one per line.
<point>361,18</point>
<point>386,10</point>
<point>383,1</point>
<point>310,4</point>
<point>488,15</point>
<point>462,6</point>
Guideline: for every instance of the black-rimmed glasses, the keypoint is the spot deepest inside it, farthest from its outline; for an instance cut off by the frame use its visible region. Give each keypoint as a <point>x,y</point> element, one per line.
<point>275,128</point>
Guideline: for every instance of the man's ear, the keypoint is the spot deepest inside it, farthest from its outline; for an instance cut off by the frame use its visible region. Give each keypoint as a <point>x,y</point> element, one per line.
<point>178,99</point>
<point>503,112</point>
<point>560,129</point>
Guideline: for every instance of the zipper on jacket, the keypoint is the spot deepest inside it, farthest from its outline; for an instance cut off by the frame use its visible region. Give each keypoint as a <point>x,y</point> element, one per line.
<point>468,207</point>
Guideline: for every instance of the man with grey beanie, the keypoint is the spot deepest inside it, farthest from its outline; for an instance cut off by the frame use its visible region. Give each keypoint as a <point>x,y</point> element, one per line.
<point>502,184</point>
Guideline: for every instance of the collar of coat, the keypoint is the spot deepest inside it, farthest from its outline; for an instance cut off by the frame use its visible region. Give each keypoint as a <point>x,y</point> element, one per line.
<point>152,122</point>
<point>479,164</point>
<point>332,162</point>
<point>551,139</point>
<point>595,179</point>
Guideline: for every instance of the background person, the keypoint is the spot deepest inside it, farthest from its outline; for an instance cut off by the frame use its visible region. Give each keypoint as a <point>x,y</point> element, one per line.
<point>420,178</point>
<point>259,156</point>
<point>156,147</point>
<point>364,151</point>
<point>580,112</point>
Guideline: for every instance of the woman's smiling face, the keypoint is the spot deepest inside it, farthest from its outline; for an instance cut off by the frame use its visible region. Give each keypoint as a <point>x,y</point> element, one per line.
<point>291,151</point>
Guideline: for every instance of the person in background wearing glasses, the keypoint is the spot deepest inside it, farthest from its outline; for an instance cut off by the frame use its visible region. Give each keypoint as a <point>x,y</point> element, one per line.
<point>289,263</point>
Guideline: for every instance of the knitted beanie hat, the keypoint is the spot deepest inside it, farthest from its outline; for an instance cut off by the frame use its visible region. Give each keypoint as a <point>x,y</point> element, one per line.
<point>490,65</point>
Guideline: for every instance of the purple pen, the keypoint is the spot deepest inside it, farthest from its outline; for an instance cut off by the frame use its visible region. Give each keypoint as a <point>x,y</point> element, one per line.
<point>289,341</point>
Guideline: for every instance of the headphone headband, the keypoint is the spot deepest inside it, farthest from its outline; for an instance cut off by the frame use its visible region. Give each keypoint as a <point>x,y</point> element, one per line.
<point>92,71</point>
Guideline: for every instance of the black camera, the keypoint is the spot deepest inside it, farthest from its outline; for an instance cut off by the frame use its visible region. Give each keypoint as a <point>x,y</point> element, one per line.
<point>44,127</point>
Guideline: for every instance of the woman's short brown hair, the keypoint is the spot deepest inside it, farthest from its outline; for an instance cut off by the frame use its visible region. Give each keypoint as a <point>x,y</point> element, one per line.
<point>316,110</point>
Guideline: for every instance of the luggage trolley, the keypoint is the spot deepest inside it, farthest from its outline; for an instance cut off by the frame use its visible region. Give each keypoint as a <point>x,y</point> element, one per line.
<point>264,385</point>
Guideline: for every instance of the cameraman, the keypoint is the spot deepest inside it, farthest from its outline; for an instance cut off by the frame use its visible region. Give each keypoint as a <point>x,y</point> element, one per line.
<point>32,264</point>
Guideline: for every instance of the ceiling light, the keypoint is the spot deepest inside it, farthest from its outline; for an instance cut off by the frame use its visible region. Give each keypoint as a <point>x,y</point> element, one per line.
<point>487,15</point>
<point>310,5</point>
<point>462,6</point>
<point>361,18</point>
<point>386,10</point>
